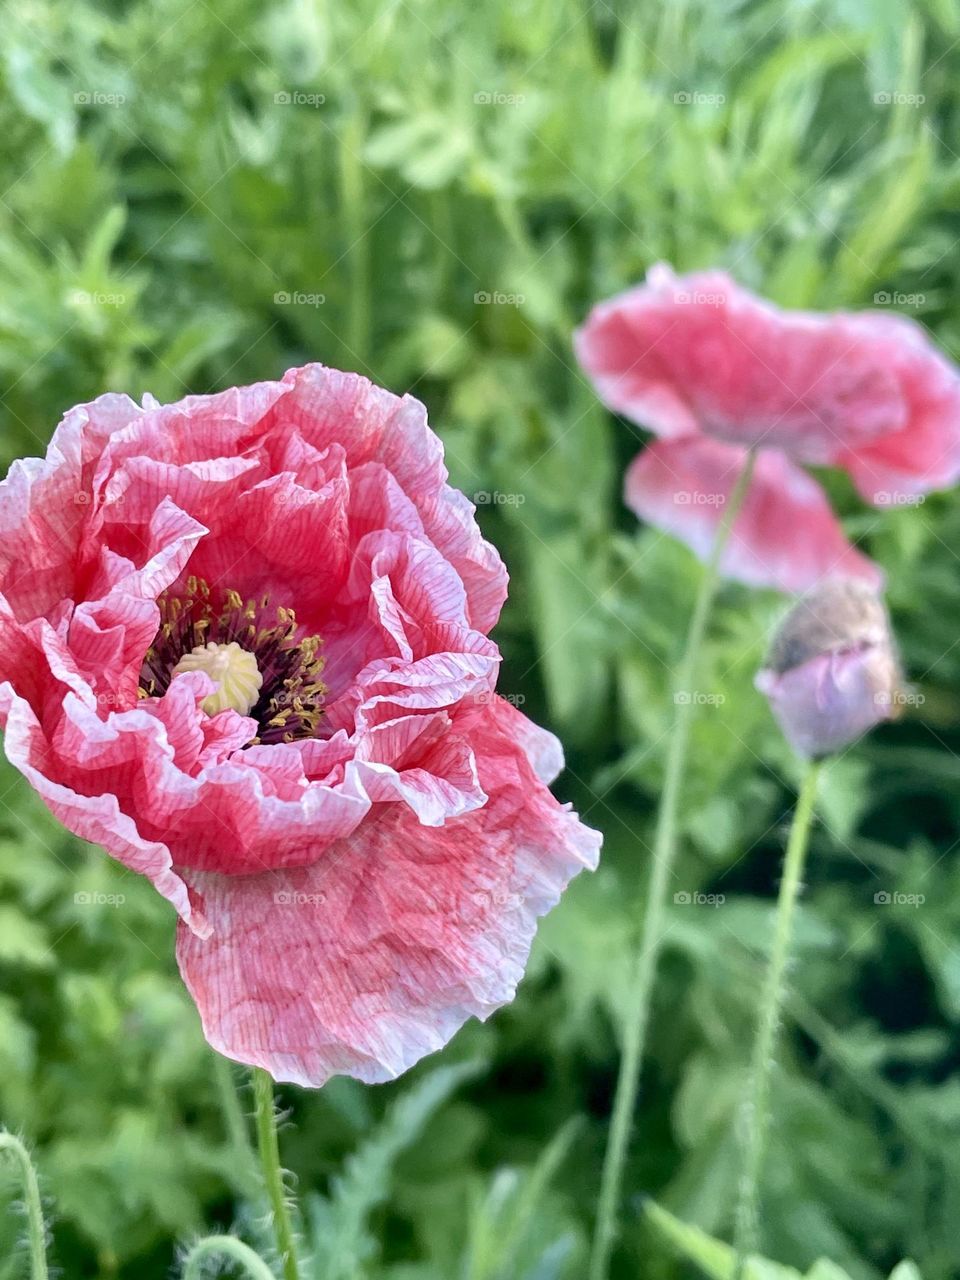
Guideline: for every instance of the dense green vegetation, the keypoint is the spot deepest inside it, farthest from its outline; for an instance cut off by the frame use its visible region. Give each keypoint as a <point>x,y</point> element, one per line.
<point>198,194</point>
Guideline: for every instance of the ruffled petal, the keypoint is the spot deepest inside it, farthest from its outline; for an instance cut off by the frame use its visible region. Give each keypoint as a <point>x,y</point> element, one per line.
<point>96,818</point>
<point>786,535</point>
<point>377,953</point>
<point>698,353</point>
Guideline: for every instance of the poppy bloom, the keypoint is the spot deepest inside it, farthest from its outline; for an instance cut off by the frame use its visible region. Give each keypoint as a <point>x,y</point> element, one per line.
<point>713,371</point>
<point>244,646</point>
<point>833,672</point>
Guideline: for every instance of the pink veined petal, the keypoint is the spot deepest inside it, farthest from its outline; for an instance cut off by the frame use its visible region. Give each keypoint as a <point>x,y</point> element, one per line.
<point>925,453</point>
<point>95,818</point>
<point>786,535</point>
<point>377,953</point>
<point>682,355</point>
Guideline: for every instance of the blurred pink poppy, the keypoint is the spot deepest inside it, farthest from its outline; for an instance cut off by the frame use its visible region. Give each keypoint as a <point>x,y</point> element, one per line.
<point>704,363</point>
<point>243,646</point>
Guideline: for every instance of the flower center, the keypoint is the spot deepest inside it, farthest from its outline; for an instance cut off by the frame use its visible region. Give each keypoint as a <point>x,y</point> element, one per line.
<point>234,669</point>
<point>263,665</point>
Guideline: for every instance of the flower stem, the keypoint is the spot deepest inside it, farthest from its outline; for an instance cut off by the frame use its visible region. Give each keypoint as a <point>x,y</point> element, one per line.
<point>36,1232</point>
<point>227,1247</point>
<point>273,1173</point>
<point>664,851</point>
<point>768,1022</point>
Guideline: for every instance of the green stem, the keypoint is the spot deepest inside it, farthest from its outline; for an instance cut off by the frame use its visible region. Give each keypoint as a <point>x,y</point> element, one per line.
<point>768,1022</point>
<point>227,1247</point>
<point>31,1194</point>
<point>236,1124</point>
<point>664,851</point>
<point>357,246</point>
<point>273,1173</point>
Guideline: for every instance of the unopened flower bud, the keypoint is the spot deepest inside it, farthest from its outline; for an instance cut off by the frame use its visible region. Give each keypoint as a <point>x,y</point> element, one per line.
<point>833,670</point>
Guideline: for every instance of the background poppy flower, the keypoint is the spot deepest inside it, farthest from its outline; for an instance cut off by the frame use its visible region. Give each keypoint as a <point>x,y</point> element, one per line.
<point>243,645</point>
<point>714,371</point>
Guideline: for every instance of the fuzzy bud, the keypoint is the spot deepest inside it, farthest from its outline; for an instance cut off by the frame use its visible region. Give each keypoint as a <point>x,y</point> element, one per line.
<point>833,670</point>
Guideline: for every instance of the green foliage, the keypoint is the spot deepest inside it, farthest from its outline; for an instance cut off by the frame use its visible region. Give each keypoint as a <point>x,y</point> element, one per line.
<point>179,229</point>
<point>715,1260</point>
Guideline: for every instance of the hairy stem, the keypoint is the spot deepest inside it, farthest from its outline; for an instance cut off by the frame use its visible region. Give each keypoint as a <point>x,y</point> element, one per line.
<point>664,852</point>
<point>226,1247</point>
<point>273,1173</point>
<point>36,1231</point>
<point>768,1022</point>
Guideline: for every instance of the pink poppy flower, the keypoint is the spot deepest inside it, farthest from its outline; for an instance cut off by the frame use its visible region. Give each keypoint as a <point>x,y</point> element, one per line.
<point>713,371</point>
<point>244,646</point>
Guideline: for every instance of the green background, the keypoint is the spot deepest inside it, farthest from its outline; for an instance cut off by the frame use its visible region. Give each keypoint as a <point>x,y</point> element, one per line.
<point>173,229</point>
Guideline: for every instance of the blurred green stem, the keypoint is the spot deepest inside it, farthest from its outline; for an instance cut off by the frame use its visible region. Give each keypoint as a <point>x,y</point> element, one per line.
<point>357,243</point>
<point>226,1247</point>
<point>272,1172</point>
<point>36,1232</point>
<point>768,1022</point>
<point>664,851</point>
<point>236,1123</point>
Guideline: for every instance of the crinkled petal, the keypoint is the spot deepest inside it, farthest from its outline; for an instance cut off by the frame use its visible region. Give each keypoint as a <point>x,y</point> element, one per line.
<point>698,353</point>
<point>96,818</point>
<point>786,535</point>
<point>377,953</point>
